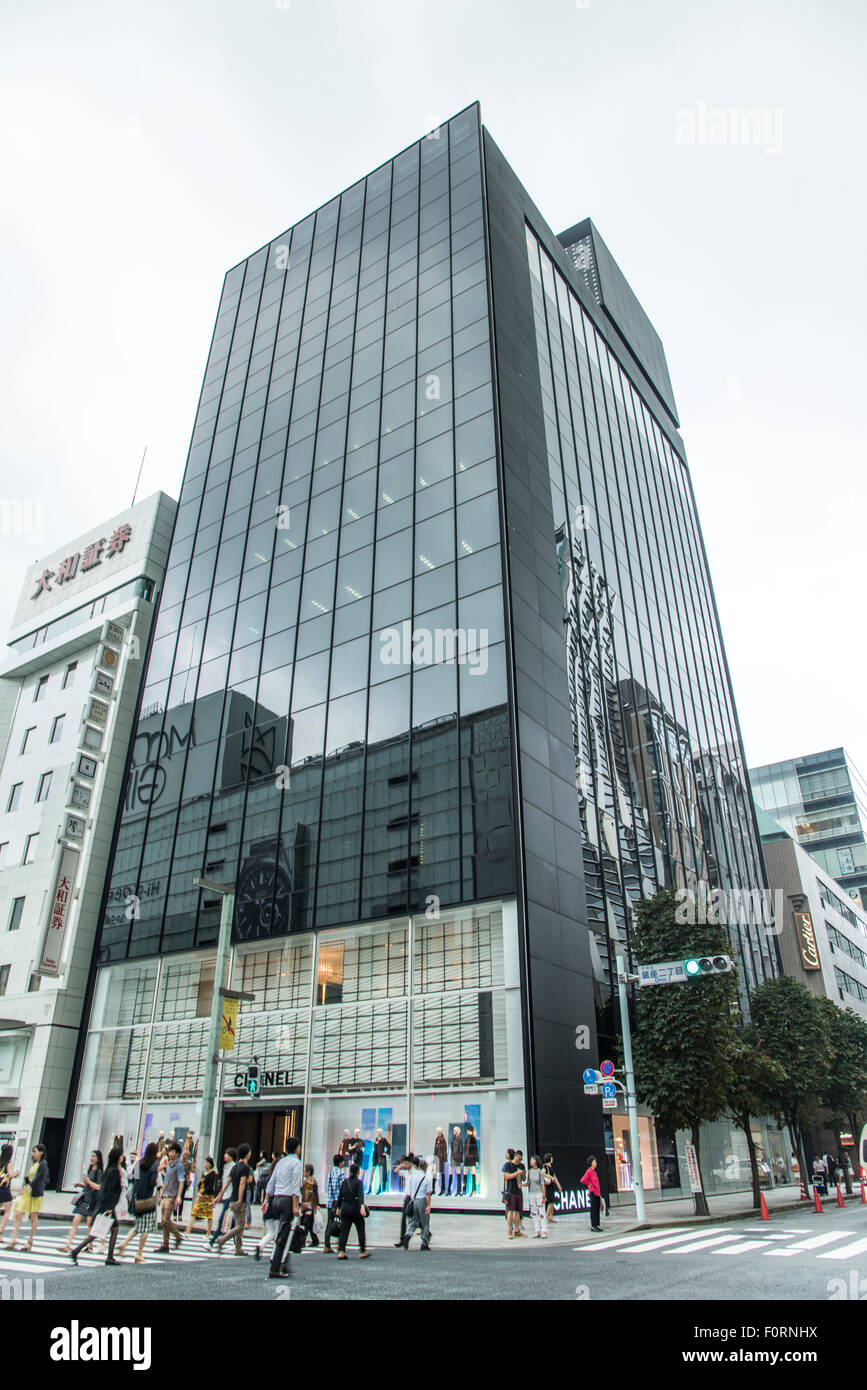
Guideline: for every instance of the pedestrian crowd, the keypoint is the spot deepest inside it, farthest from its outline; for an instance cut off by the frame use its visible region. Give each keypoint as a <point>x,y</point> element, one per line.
<point>540,1183</point>
<point>831,1168</point>
<point>139,1195</point>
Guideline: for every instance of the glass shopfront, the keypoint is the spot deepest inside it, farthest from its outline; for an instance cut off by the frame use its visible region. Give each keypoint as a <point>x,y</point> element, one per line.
<point>403,1027</point>
<point>725,1163</point>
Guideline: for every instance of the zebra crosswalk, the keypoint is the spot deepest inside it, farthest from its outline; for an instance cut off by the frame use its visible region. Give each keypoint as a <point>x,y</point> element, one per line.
<point>47,1257</point>
<point>779,1243</point>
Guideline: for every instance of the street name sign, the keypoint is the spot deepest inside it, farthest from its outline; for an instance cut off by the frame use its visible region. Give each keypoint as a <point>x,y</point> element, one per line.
<point>664,972</point>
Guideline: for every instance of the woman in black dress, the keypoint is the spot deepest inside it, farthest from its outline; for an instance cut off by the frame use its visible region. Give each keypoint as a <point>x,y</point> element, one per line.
<point>107,1198</point>
<point>83,1208</point>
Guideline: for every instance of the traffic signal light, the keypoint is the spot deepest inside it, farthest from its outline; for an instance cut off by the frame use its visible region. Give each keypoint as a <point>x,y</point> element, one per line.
<point>254,1081</point>
<point>698,966</point>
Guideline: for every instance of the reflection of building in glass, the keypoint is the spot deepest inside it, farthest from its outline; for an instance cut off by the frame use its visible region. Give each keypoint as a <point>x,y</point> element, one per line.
<point>275,880</point>
<point>821,800</point>
<point>410,399</point>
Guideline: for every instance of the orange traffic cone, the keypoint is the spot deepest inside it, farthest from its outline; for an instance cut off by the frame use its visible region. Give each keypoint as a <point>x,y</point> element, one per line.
<point>817,1200</point>
<point>805,1196</point>
<point>863,1193</point>
<point>841,1201</point>
<point>766,1215</point>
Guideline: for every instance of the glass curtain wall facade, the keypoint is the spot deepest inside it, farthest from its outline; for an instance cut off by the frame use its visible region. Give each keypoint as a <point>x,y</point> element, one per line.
<point>341,482</point>
<point>437,642</point>
<point>299,734</point>
<point>610,600</point>
<point>663,792</point>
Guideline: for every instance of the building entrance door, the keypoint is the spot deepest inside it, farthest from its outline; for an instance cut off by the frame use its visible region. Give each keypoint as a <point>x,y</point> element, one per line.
<point>266,1131</point>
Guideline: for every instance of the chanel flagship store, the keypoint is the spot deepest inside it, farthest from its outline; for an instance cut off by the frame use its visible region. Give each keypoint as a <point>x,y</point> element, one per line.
<point>437,684</point>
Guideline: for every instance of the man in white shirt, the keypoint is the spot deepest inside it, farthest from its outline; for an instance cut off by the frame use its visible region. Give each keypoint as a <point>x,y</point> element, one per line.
<point>419,1189</point>
<point>284,1190</point>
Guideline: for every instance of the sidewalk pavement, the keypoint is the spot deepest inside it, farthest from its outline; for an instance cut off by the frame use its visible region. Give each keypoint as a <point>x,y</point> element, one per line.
<point>480,1231</point>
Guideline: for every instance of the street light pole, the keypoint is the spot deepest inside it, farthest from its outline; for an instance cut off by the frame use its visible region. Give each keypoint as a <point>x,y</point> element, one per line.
<point>212,1050</point>
<point>631,1105</point>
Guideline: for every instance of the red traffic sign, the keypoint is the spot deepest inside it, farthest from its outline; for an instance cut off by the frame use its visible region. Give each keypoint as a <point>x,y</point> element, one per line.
<point>606,1068</point>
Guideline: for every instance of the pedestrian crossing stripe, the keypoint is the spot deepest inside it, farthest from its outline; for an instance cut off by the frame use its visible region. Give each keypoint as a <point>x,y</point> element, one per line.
<point>727,1241</point>
<point>47,1257</point>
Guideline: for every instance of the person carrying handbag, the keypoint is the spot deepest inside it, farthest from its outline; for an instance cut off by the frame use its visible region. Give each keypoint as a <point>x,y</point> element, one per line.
<point>419,1189</point>
<point>309,1210</point>
<point>332,1225</point>
<point>108,1200</point>
<point>144,1182</point>
<point>352,1212</point>
<point>30,1199</point>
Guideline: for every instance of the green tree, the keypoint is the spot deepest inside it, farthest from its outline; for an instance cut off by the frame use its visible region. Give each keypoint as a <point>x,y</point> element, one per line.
<point>792,1027</point>
<point>754,1075</point>
<point>684,1032</point>
<point>845,1089</point>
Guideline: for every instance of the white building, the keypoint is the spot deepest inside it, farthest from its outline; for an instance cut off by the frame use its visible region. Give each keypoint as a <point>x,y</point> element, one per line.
<point>823,939</point>
<point>69,686</point>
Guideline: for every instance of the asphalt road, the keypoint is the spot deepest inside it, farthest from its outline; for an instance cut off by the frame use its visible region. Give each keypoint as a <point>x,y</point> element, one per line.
<point>792,1257</point>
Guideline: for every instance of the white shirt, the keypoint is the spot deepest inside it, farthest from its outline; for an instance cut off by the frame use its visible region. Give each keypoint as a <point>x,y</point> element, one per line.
<point>285,1181</point>
<point>418,1184</point>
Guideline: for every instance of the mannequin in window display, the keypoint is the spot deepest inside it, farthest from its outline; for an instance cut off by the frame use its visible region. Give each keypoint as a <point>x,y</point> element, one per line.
<point>471,1163</point>
<point>456,1166</point>
<point>356,1153</point>
<point>440,1154</point>
<point>345,1149</point>
<point>379,1164</point>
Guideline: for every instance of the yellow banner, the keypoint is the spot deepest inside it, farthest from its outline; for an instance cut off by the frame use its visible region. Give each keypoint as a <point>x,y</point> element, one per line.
<point>230,1021</point>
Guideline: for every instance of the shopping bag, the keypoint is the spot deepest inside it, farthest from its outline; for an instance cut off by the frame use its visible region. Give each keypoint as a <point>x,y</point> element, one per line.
<point>101,1225</point>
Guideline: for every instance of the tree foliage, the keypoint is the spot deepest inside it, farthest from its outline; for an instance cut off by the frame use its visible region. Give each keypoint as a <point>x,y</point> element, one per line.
<point>684,1032</point>
<point>792,1026</point>
<point>754,1075</point>
<point>844,1090</point>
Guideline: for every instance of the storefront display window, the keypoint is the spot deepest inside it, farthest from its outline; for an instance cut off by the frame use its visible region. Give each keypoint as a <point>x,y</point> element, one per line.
<point>329,1013</point>
<point>95,1127</point>
<point>330,1119</point>
<point>620,1157</point>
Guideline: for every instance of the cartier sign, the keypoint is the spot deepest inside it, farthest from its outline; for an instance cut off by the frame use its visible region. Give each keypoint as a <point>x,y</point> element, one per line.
<point>807,941</point>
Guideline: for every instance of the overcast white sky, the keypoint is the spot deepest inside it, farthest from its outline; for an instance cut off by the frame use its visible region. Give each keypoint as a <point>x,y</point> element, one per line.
<point>147,148</point>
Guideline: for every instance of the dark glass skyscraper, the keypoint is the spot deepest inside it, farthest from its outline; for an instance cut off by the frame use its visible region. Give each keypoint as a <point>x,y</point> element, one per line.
<point>437,682</point>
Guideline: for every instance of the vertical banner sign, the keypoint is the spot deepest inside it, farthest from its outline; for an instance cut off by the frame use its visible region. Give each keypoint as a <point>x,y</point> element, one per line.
<point>807,941</point>
<point>58,913</point>
<point>692,1165</point>
<point>228,1028</point>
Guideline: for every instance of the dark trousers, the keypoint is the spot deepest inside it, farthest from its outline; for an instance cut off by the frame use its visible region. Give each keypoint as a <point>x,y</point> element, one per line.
<point>307,1222</point>
<point>112,1241</point>
<point>329,1228</point>
<point>283,1208</point>
<point>595,1209</point>
<point>351,1219</point>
